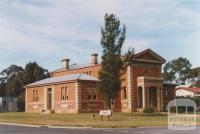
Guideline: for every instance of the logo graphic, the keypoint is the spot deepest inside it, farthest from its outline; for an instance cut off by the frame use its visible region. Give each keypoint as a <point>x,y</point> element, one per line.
<point>181,114</point>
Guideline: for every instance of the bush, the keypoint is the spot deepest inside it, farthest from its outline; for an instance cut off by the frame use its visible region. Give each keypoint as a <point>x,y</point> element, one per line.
<point>149,110</point>
<point>52,111</point>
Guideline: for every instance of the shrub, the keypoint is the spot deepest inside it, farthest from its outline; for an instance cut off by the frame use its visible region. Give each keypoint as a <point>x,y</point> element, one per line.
<point>52,111</point>
<point>149,110</point>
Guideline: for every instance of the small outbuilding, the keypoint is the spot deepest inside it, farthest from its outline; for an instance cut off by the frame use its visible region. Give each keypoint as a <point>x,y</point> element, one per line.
<point>8,104</point>
<point>187,92</point>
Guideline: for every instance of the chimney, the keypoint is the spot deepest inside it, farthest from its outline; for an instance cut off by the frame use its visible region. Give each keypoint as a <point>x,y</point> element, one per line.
<point>94,58</point>
<point>65,63</point>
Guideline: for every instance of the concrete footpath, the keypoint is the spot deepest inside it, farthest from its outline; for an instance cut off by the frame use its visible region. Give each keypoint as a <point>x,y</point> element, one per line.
<point>42,126</point>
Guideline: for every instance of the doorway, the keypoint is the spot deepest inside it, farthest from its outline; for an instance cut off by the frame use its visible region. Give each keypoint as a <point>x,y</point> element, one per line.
<point>153,97</point>
<point>49,98</point>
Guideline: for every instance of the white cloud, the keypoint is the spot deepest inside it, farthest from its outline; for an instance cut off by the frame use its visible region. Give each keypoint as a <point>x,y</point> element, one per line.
<point>65,27</point>
<point>139,44</point>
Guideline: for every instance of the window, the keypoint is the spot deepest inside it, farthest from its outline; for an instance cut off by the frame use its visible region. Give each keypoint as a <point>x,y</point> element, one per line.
<point>124,93</point>
<point>64,93</point>
<point>92,94</point>
<point>35,95</point>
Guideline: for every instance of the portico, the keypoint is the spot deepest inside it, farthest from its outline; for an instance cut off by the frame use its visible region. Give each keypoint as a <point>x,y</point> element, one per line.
<point>149,93</point>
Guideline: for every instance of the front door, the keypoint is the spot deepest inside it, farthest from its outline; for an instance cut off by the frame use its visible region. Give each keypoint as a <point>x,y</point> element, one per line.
<point>49,98</point>
<point>153,97</point>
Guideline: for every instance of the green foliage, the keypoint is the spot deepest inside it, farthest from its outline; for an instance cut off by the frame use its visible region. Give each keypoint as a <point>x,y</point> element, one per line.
<point>177,70</point>
<point>195,77</point>
<point>197,100</point>
<point>11,78</point>
<point>196,84</point>
<point>128,57</point>
<point>2,89</point>
<point>14,78</point>
<point>112,40</point>
<point>33,72</point>
<point>149,110</point>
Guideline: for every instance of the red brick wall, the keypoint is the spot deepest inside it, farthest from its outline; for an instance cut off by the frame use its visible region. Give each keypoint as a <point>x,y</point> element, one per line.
<point>69,105</point>
<point>139,70</point>
<point>90,70</point>
<point>90,105</point>
<point>35,106</point>
<point>62,106</point>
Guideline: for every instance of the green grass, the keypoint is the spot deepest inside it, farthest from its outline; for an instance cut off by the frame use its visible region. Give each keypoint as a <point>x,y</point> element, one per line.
<point>118,120</point>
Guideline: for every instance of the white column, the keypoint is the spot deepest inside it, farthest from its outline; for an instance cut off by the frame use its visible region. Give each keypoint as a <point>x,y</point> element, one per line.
<point>45,98</point>
<point>130,87</point>
<point>144,97</point>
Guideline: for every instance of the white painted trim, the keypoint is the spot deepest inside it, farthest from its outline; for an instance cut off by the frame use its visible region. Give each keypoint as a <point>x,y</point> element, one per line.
<point>143,97</point>
<point>26,98</point>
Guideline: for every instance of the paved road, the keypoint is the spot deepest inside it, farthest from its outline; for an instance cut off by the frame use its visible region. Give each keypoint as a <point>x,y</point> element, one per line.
<point>6,129</point>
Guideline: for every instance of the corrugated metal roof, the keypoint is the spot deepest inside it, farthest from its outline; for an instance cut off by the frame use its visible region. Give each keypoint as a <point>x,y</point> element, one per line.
<point>169,83</point>
<point>74,66</point>
<point>65,78</point>
<point>194,90</point>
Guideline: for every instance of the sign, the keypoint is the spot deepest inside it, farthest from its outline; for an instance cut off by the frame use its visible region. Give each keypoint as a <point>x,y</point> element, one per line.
<point>182,121</point>
<point>105,112</point>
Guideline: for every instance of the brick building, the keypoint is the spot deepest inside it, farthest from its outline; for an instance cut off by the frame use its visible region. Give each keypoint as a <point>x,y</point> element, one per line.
<point>72,88</point>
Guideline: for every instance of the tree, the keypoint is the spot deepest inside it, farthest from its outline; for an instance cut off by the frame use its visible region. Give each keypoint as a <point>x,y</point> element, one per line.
<point>195,77</point>
<point>111,41</point>
<point>33,72</point>
<point>11,79</point>
<point>14,78</point>
<point>177,70</point>
<point>2,89</point>
<point>128,57</point>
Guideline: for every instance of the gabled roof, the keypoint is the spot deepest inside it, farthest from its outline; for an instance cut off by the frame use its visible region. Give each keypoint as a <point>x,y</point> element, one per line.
<point>65,78</point>
<point>194,90</point>
<point>156,58</point>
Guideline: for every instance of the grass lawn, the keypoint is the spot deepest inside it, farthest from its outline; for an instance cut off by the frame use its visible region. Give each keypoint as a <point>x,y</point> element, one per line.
<point>118,120</point>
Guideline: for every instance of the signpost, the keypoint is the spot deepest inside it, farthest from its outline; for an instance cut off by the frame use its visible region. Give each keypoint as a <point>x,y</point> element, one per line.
<point>105,113</point>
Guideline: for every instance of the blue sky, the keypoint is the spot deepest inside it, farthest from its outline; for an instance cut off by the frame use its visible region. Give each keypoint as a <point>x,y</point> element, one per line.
<point>46,31</point>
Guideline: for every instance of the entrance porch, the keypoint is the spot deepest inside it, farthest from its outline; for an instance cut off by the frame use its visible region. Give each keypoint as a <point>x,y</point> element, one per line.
<point>149,93</point>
